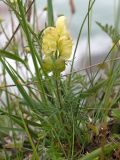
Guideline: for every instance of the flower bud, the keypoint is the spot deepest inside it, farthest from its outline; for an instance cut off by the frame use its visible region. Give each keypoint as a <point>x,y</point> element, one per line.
<point>59,65</point>
<point>48,64</point>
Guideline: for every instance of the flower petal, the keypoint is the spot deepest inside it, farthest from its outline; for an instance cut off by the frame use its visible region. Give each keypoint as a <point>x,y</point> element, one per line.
<point>61,25</point>
<point>49,40</point>
<point>65,47</point>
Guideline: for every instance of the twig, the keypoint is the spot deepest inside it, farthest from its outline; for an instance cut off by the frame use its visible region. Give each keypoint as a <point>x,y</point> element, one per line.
<point>27,84</point>
<point>17,27</point>
<point>91,66</point>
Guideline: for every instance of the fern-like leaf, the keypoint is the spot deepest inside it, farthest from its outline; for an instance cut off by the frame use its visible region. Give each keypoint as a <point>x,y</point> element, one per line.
<point>110,30</point>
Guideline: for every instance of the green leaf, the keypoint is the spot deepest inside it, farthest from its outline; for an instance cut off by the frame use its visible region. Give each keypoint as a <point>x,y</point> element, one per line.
<point>96,153</point>
<point>17,83</point>
<point>10,55</point>
<point>110,30</point>
<point>116,113</point>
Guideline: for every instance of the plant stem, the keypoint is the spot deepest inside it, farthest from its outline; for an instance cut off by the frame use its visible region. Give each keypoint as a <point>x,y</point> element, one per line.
<point>50,13</point>
<point>78,38</point>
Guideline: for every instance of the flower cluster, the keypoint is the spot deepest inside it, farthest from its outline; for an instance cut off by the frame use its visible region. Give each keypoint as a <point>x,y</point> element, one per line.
<point>56,46</point>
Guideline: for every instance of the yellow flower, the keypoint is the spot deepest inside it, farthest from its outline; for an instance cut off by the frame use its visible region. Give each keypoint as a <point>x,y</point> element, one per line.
<point>49,41</point>
<point>55,65</point>
<point>57,44</point>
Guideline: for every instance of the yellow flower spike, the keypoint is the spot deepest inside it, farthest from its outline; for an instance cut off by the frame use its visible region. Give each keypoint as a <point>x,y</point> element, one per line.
<point>49,41</point>
<point>61,25</point>
<point>56,40</point>
<point>65,47</point>
<point>48,64</point>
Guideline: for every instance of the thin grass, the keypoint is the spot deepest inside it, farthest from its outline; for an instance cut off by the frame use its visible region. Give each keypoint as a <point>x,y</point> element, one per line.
<point>58,116</point>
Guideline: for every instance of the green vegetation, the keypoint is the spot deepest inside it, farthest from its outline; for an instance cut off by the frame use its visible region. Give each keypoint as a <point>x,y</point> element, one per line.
<point>56,117</point>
